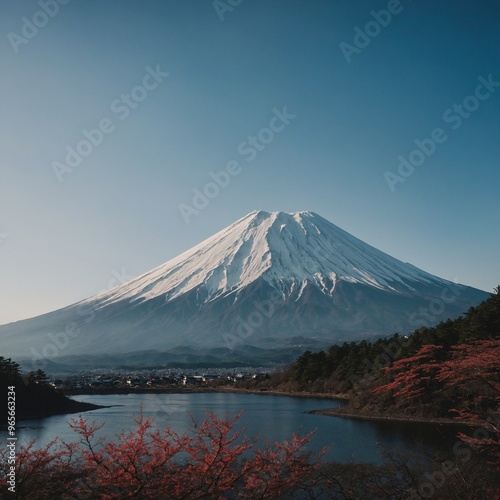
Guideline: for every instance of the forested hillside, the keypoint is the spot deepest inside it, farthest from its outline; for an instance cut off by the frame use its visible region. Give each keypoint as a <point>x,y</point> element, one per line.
<point>431,373</point>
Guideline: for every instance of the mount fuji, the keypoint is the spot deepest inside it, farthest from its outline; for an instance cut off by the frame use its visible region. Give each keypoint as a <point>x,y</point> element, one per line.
<point>269,280</point>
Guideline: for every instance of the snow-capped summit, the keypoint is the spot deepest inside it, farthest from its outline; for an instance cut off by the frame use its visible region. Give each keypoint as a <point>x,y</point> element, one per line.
<point>264,280</point>
<point>286,250</point>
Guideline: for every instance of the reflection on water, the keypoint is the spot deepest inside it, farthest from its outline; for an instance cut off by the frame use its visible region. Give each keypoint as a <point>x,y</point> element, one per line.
<point>271,417</point>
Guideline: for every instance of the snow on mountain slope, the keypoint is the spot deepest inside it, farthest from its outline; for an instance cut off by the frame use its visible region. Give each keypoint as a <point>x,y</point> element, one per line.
<point>264,281</point>
<point>285,249</point>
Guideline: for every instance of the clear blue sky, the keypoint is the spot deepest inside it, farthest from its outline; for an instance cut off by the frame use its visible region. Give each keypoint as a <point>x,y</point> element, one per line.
<point>117,213</point>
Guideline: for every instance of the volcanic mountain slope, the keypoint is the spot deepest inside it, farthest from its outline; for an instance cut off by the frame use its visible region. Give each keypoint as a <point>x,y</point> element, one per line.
<point>263,281</point>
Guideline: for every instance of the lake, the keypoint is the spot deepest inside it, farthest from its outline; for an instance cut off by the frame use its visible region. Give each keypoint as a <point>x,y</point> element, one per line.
<point>271,417</point>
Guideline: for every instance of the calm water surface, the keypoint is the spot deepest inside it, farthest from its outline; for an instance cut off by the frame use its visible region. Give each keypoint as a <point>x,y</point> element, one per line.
<point>272,417</point>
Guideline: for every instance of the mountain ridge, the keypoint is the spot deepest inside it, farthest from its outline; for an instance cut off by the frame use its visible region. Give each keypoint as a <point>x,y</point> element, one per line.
<point>315,279</point>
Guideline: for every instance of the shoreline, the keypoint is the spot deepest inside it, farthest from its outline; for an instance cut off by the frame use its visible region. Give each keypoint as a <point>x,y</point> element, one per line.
<point>339,412</point>
<point>74,407</point>
<point>349,414</point>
